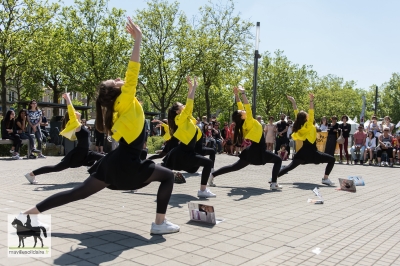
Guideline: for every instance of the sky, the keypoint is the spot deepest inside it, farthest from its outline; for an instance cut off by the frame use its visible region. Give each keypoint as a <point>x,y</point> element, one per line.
<point>354,39</point>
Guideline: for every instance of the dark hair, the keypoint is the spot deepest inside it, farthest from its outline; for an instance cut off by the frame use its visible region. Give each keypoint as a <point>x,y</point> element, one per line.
<point>8,122</point>
<point>238,135</point>
<point>105,107</point>
<point>271,117</point>
<point>345,116</point>
<point>334,117</point>
<point>283,146</point>
<point>326,120</point>
<point>301,119</point>
<point>374,117</point>
<point>19,118</point>
<point>65,121</point>
<point>171,117</point>
<point>33,100</point>
<point>372,132</point>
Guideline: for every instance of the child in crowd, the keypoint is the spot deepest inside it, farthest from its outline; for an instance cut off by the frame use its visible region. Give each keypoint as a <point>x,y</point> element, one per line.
<point>282,153</point>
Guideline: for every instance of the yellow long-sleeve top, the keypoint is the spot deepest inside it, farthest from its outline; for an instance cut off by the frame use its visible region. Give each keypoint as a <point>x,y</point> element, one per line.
<point>186,127</point>
<point>72,125</point>
<point>199,132</point>
<point>308,130</point>
<point>252,129</point>
<point>166,136</point>
<point>128,117</point>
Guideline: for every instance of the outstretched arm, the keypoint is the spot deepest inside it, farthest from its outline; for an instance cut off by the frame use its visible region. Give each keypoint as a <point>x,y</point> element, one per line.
<point>136,34</point>
<point>242,91</point>
<point>311,101</point>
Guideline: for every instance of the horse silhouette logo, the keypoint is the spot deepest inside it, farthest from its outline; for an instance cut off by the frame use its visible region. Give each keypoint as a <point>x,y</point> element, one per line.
<point>27,229</point>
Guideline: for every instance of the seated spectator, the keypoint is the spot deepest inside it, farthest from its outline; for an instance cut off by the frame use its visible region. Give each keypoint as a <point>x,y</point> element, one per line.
<point>359,145</point>
<point>282,153</point>
<point>219,140</point>
<point>370,146</point>
<point>43,125</point>
<point>8,132</point>
<point>396,148</point>
<point>210,142</point>
<point>385,144</point>
<point>21,128</point>
<point>373,126</point>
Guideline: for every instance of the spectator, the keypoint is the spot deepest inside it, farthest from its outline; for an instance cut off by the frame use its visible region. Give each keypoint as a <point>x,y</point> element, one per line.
<point>323,127</point>
<point>282,153</point>
<point>99,136</point>
<point>333,128</point>
<point>387,123</point>
<point>373,126</point>
<point>228,139</point>
<point>345,129</point>
<point>289,135</point>
<point>34,120</point>
<point>281,137</point>
<point>385,144</point>
<point>359,144</point>
<point>20,124</point>
<point>43,128</point>
<point>209,139</point>
<point>8,132</point>
<point>219,140</point>
<point>370,146</point>
<point>270,132</point>
<point>259,119</point>
<point>396,148</point>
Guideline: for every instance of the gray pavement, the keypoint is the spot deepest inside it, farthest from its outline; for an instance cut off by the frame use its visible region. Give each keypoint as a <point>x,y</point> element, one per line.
<point>261,227</point>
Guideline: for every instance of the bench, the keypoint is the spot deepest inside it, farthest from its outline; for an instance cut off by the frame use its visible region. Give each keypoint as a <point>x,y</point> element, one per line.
<point>24,141</point>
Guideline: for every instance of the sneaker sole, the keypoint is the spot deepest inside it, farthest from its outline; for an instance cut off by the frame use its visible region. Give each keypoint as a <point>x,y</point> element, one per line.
<point>163,233</point>
<point>205,197</point>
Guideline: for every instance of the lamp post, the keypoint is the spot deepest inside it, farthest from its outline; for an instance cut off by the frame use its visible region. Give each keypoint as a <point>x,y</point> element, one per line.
<point>256,57</point>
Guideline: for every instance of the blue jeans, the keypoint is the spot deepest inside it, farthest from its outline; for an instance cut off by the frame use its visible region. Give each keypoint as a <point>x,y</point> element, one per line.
<point>353,155</point>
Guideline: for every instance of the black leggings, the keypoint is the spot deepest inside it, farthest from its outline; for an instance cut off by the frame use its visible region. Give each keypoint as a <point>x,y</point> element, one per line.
<point>242,164</point>
<point>51,168</point>
<point>92,185</point>
<point>17,142</point>
<point>325,158</point>
<point>209,151</point>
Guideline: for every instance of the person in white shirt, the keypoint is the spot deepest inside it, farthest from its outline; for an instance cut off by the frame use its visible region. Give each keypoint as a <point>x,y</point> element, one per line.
<point>370,145</point>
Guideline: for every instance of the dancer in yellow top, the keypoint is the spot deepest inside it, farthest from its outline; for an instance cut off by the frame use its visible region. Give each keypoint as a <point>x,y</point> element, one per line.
<point>122,168</point>
<point>304,130</point>
<point>256,154</point>
<point>184,157</point>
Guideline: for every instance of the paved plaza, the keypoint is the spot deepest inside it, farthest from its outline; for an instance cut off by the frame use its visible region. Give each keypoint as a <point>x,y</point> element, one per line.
<point>261,227</point>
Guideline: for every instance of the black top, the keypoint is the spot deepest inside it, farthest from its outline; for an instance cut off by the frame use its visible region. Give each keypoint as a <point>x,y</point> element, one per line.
<point>281,126</point>
<point>4,132</point>
<point>44,120</point>
<point>216,133</point>
<point>83,137</point>
<point>332,128</point>
<point>346,130</point>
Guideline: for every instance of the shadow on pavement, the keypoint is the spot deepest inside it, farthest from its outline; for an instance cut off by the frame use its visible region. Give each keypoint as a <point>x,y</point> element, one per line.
<point>247,192</point>
<point>89,249</point>
<point>48,187</point>
<point>307,186</point>
<point>176,199</point>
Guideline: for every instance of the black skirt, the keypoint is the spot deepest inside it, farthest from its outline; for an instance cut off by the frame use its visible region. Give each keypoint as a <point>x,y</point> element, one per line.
<point>309,153</point>
<point>122,167</point>
<point>170,144</point>
<point>256,153</point>
<point>182,157</point>
<point>81,157</point>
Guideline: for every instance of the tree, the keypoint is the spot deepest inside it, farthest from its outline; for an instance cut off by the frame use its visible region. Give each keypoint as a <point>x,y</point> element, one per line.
<point>20,22</point>
<point>167,50</point>
<point>390,98</point>
<point>278,77</point>
<point>222,46</point>
<point>98,45</point>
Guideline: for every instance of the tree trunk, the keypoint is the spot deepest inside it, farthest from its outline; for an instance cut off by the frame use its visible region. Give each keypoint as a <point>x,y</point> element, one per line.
<point>56,94</point>
<point>3,90</point>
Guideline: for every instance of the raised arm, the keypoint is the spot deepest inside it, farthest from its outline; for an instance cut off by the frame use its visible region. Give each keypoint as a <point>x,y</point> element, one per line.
<point>73,124</point>
<point>136,34</point>
<point>294,105</point>
<point>187,111</point>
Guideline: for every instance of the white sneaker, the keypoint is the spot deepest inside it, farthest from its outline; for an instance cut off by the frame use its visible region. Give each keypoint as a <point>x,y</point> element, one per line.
<point>15,157</point>
<point>275,186</point>
<point>165,228</point>
<point>211,181</point>
<point>205,194</point>
<point>35,222</point>
<point>30,178</point>
<point>41,156</point>
<point>327,182</point>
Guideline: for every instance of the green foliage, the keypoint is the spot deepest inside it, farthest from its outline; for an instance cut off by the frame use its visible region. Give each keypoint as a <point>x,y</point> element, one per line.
<point>154,143</point>
<point>167,50</point>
